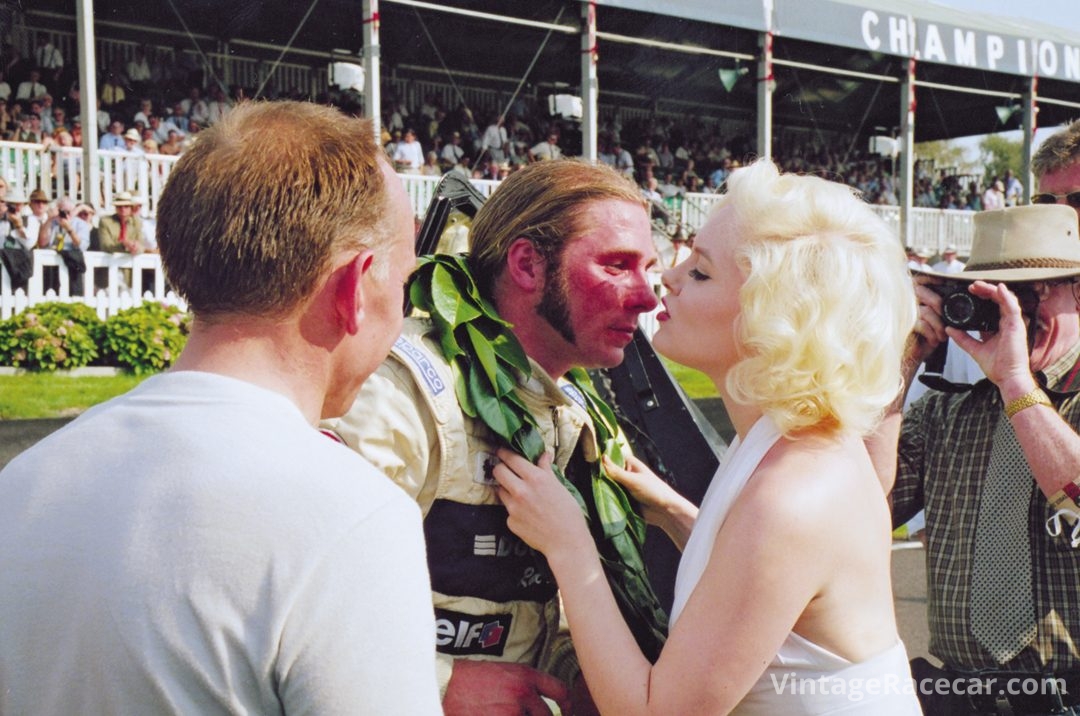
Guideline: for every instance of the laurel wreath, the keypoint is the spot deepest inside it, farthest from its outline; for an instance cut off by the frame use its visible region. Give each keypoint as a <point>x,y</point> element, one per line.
<point>487,363</point>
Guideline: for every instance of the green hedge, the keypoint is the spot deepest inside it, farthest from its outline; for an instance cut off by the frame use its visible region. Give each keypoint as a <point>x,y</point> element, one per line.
<point>51,336</point>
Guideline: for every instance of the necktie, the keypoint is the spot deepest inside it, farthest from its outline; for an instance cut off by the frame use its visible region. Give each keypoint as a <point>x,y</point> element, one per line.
<point>123,233</point>
<point>1002,608</point>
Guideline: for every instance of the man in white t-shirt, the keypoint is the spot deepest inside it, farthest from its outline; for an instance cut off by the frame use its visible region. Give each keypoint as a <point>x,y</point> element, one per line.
<point>546,150</point>
<point>197,545</point>
<point>495,141</point>
<point>409,154</point>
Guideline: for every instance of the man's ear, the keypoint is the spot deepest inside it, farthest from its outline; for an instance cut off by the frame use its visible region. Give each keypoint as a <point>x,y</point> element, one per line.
<point>526,266</point>
<point>349,291</point>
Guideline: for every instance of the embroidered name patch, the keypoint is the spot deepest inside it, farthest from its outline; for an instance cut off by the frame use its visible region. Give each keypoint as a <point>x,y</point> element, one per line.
<point>435,384</point>
<point>571,391</point>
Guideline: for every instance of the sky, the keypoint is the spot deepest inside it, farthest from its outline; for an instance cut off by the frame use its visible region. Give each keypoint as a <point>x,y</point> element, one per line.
<point>1062,13</point>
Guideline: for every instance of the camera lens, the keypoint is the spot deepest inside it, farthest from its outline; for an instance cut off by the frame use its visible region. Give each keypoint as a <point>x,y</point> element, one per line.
<point>958,309</point>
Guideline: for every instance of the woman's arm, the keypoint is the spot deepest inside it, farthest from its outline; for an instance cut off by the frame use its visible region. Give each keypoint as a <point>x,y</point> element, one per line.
<point>758,581</point>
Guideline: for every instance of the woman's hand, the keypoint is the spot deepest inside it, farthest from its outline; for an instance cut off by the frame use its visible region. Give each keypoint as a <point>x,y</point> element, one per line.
<point>542,510</point>
<point>644,485</point>
<point>660,504</point>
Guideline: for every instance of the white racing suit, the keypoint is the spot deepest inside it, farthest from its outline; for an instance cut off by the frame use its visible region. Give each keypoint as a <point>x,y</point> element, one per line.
<point>494,596</point>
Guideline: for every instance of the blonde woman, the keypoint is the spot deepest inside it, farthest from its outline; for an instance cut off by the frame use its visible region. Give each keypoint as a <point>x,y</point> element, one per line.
<point>796,302</point>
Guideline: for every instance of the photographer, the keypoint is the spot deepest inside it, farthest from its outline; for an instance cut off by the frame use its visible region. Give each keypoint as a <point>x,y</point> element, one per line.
<point>989,464</point>
<point>69,236</point>
<point>13,223</point>
<point>15,243</point>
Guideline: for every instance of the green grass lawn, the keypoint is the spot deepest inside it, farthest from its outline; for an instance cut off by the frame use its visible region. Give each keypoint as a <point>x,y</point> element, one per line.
<point>48,395</point>
<point>696,384</point>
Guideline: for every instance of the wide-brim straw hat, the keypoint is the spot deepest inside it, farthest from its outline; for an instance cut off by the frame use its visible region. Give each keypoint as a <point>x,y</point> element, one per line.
<point>124,198</point>
<point>1023,243</point>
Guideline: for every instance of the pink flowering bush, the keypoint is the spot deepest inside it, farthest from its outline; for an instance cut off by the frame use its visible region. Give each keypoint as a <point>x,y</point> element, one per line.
<point>52,335</point>
<point>147,338</point>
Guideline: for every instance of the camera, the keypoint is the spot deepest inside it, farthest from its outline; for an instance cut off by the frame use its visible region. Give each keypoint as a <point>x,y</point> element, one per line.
<point>64,214</point>
<point>962,310</point>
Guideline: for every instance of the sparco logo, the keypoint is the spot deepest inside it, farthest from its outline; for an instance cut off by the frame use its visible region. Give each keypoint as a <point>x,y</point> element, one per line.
<point>460,634</point>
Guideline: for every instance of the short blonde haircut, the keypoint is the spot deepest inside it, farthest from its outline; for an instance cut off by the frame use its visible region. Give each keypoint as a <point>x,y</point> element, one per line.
<point>826,307</point>
<point>254,212</point>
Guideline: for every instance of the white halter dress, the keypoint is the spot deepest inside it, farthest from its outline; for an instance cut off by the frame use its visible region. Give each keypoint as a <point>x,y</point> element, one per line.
<point>803,678</point>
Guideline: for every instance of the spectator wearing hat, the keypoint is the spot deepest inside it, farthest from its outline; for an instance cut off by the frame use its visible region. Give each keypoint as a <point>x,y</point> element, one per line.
<point>39,214</point>
<point>949,263</point>
<point>133,141</point>
<point>919,259</point>
<point>13,222</point>
<point>680,249</point>
<point>15,243</point>
<point>995,469</point>
<point>121,232</point>
<point>87,213</point>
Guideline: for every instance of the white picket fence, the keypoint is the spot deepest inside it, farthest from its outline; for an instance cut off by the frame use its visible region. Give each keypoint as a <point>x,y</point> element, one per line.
<point>104,286</point>
<point>58,172</point>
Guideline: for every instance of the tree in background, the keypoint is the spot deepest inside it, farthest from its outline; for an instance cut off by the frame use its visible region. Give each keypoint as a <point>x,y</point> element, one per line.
<point>944,154</point>
<point>998,153</point>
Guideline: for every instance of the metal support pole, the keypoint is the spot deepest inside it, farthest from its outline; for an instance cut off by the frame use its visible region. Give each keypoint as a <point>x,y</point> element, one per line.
<point>590,88</point>
<point>372,85</point>
<point>765,86</point>
<point>91,172</point>
<point>1031,93</point>
<point>907,153</point>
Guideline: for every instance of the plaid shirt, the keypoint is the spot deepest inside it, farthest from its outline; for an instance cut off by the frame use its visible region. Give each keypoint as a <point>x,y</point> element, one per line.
<point>943,456</point>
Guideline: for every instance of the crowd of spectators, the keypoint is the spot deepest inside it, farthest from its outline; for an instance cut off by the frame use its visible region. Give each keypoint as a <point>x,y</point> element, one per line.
<point>154,103</point>
<point>157,102</point>
<point>668,157</point>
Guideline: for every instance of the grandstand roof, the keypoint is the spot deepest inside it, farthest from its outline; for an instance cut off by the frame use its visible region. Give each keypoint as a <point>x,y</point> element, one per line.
<point>874,38</point>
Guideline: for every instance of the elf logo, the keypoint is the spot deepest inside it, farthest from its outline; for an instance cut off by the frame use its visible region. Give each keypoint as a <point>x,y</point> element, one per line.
<point>462,634</point>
